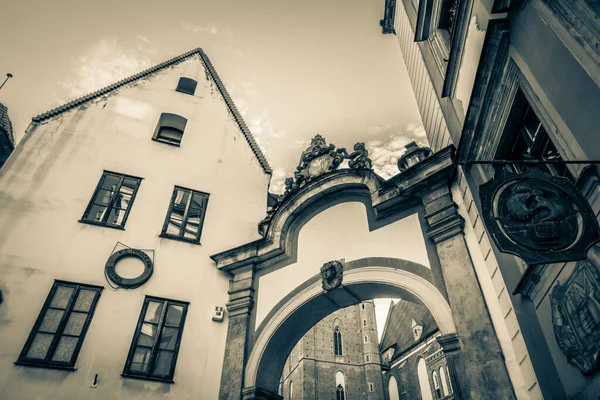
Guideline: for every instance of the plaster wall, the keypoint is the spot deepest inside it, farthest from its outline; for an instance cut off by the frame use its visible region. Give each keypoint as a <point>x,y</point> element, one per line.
<point>340,232</point>
<point>44,189</point>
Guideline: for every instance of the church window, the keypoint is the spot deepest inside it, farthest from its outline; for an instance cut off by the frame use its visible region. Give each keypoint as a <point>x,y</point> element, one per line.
<point>291,389</point>
<point>436,385</point>
<point>170,129</point>
<point>58,333</point>
<point>340,388</point>
<point>155,345</point>
<point>112,200</point>
<point>423,375</point>
<point>363,306</point>
<point>371,387</point>
<point>337,341</point>
<point>186,215</point>
<point>366,339</point>
<point>444,379</point>
<point>530,140</point>
<point>187,85</point>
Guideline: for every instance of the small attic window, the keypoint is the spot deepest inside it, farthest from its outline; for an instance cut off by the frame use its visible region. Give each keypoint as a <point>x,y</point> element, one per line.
<point>187,85</point>
<point>170,129</point>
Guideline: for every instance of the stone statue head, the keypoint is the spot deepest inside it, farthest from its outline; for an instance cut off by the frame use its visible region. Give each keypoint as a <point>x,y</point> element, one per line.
<point>331,275</point>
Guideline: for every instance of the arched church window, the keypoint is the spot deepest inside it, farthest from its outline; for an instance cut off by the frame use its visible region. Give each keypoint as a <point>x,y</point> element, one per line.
<point>170,128</point>
<point>444,378</point>
<point>393,389</point>
<point>187,85</point>
<point>436,385</point>
<point>337,341</point>
<point>424,380</point>
<point>291,389</point>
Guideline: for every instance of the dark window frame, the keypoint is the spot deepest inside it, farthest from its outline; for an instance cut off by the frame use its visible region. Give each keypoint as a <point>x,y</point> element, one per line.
<point>180,88</point>
<point>58,334</point>
<point>111,205</point>
<point>337,342</point>
<point>127,371</point>
<point>173,123</point>
<point>181,236</point>
<point>340,393</point>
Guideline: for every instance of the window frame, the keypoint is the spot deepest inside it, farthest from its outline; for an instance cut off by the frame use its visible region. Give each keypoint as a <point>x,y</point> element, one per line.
<point>181,235</point>
<point>162,124</point>
<point>110,206</point>
<point>127,373</point>
<point>177,89</point>
<point>340,393</point>
<point>23,360</point>
<point>337,342</point>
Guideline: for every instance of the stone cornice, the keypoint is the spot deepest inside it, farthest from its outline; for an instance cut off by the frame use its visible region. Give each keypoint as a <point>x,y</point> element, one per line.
<point>398,194</point>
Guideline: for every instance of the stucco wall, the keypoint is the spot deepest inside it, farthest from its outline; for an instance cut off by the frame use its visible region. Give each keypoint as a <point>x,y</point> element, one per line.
<point>340,232</point>
<point>44,190</point>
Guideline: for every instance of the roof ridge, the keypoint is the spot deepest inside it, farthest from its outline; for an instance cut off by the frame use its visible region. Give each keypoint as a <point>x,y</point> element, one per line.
<point>172,61</point>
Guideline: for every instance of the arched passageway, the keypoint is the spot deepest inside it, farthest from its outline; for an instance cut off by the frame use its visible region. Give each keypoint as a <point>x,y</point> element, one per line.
<point>362,280</point>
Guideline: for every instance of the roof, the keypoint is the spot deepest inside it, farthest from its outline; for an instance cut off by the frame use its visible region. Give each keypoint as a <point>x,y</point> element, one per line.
<point>6,125</point>
<point>173,61</point>
<point>398,329</point>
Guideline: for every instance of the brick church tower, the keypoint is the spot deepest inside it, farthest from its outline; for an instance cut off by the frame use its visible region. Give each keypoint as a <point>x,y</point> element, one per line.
<point>337,359</point>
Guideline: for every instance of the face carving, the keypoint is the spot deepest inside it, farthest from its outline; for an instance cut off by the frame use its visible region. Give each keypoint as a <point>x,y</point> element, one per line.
<point>331,275</point>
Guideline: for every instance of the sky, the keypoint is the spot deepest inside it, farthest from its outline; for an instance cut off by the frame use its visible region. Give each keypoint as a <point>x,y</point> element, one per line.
<point>294,68</point>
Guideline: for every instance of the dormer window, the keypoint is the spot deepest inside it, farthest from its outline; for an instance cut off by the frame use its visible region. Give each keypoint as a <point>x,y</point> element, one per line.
<point>187,85</point>
<point>170,129</point>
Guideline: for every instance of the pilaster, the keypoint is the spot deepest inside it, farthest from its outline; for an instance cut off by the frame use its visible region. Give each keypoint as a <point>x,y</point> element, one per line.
<point>239,307</point>
<point>477,362</point>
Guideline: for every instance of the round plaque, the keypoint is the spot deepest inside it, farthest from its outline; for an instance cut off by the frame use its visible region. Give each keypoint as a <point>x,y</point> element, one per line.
<point>130,283</point>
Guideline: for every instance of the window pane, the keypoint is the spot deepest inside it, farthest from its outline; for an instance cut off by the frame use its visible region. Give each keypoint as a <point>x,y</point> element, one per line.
<point>75,324</point>
<point>103,197</point>
<point>162,365</point>
<point>153,311</point>
<point>51,320</point>
<point>111,182</point>
<point>170,134</point>
<point>64,350</point>
<point>116,217</point>
<point>122,201</point>
<point>61,297</point>
<point>84,300</point>
<point>40,345</point>
<point>129,185</point>
<point>191,232</point>
<point>141,360</point>
<point>147,335</point>
<point>174,315</point>
<point>168,339</point>
<point>96,213</point>
<point>197,201</point>
<point>181,199</point>
<point>175,221</point>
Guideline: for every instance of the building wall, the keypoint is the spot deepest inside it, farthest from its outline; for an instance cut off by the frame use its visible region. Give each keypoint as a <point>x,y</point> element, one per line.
<point>312,364</point>
<point>45,187</point>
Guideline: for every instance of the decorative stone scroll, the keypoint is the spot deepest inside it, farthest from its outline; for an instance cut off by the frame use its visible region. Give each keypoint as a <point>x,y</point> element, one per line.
<point>332,273</point>
<point>540,218</point>
<point>576,316</point>
<point>130,283</point>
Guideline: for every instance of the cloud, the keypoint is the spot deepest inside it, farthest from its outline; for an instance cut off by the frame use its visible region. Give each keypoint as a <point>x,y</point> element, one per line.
<point>103,64</point>
<point>382,307</point>
<point>142,38</point>
<point>278,181</point>
<point>194,28</point>
<point>384,153</point>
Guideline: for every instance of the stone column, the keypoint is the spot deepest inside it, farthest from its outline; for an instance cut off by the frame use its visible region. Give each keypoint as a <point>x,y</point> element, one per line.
<point>241,300</point>
<point>481,358</point>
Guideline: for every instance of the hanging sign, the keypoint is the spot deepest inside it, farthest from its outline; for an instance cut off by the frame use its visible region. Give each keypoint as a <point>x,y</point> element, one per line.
<point>538,217</point>
<point>130,283</point>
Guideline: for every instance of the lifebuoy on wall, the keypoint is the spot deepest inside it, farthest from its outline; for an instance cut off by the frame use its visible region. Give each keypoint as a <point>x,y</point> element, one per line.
<point>129,283</point>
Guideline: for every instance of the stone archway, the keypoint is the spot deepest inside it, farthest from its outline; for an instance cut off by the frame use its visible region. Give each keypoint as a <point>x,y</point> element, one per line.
<point>300,310</point>
<point>475,360</point>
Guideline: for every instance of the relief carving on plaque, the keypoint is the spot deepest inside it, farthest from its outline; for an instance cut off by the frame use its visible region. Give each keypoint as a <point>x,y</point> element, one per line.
<point>576,316</point>
<point>332,273</point>
<point>538,217</point>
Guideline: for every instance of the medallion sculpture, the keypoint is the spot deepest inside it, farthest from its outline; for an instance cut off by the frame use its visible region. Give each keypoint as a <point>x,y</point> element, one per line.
<point>332,273</point>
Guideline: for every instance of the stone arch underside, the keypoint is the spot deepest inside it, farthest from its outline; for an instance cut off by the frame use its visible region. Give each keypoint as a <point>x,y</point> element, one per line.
<point>363,279</point>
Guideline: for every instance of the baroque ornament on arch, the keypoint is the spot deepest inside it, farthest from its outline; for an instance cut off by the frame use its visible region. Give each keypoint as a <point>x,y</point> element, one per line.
<point>332,273</point>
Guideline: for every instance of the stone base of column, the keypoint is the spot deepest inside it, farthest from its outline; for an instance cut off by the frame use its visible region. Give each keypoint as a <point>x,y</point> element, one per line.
<point>254,393</point>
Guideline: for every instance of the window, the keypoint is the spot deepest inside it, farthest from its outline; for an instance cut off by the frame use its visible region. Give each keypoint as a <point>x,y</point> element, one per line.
<point>368,359</point>
<point>186,215</point>
<point>436,386</point>
<point>366,339</point>
<point>153,352</point>
<point>58,333</point>
<point>187,85</point>
<point>291,389</point>
<point>363,306</point>
<point>531,141</point>
<point>170,129</point>
<point>444,379</point>
<point>339,393</point>
<point>371,387</point>
<point>364,322</point>
<point>337,341</point>
<point>112,200</point>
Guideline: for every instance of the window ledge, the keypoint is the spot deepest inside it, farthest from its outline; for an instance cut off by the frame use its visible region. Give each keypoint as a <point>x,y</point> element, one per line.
<point>148,378</point>
<point>83,221</point>
<point>190,241</point>
<point>166,142</point>
<point>45,366</point>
